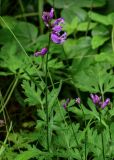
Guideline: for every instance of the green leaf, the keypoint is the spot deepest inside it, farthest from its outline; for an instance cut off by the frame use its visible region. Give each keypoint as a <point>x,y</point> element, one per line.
<point>100,30</point>
<point>81,3</point>
<point>25,32</point>
<point>106,20</point>
<point>98,41</point>
<point>106,57</point>
<point>11,22</point>
<point>84,26</point>
<point>52,97</point>
<point>71,27</point>
<point>32,93</point>
<point>26,155</point>
<point>94,79</point>
<point>71,13</point>
<point>9,58</point>
<point>77,48</point>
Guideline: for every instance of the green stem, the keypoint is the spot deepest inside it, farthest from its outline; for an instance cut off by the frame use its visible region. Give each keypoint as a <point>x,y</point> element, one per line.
<point>102,140</point>
<point>76,140</point>
<point>26,15</point>
<point>46,95</point>
<point>89,21</point>
<point>22,9</point>
<point>7,100</point>
<point>85,133</point>
<point>0,7</point>
<point>7,92</point>
<point>113,38</point>
<point>40,10</point>
<point>3,146</point>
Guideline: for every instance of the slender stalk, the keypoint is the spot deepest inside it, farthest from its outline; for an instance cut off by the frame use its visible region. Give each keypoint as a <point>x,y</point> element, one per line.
<point>85,133</point>
<point>40,10</point>
<point>26,15</point>
<point>46,95</point>
<point>76,140</point>
<point>22,9</point>
<point>102,140</point>
<point>5,141</point>
<point>7,100</point>
<point>7,92</point>
<point>89,21</point>
<point>0,7</point>
<point>113,38</point>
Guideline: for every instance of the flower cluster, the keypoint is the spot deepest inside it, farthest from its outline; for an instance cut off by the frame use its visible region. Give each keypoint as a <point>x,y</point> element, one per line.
<point>78,101</point>
<point>41,53</point>
<point>97,101</point>
<point>57,34</point>
<point>66,103</point>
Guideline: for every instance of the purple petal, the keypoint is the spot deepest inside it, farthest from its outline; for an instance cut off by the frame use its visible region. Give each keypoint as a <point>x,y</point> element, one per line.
<point>78,100</point>
<point>105,103</point>
<point>37,54</point>
<point>95,98</point>
<point>59,39</point>
<point>57,28</point>
<point>66,103</point>
<point>51,13</point>
<point>58,21</point>
<point>44,51</point>
<point>47,16</point>
<point>63,37</point>
<point>41,53</point>
<point>55,38</point>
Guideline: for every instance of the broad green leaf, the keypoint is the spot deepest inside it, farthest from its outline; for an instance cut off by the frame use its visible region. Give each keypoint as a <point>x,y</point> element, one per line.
<point>77,48</point>
<point>93,79</point>
<point>84,26</point>
<point>69,14</point>
<point>9,58</point>
<point>71,27</point>
<point>11,22</point>
<point>103,19</point>
<point>25,32</point>
<point>100,30</point>
<point>81,3</point>
<point>98,41</point>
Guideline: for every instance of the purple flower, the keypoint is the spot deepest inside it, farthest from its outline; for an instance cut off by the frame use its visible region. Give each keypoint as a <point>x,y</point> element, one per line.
<point>97,101</point>
<point>95,98</point>
<point>41,53</point>
<point>105,103</point>
<point>55,27</point>
<point>58,21</point>
<point>58,38</point>
<point>47,16</point>
<point>66,103</point>
<point>56,35</point>
<point>78,100</point>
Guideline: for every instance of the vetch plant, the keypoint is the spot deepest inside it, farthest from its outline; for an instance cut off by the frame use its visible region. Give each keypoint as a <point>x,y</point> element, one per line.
<point>56,36</point>
<point>100,105</point>
<point>48,127</point>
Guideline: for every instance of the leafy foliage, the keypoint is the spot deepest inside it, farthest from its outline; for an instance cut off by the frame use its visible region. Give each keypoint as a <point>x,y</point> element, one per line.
<point>82,65</point>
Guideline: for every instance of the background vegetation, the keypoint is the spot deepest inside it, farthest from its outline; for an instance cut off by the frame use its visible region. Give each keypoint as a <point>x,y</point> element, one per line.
<point>82,65</point>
